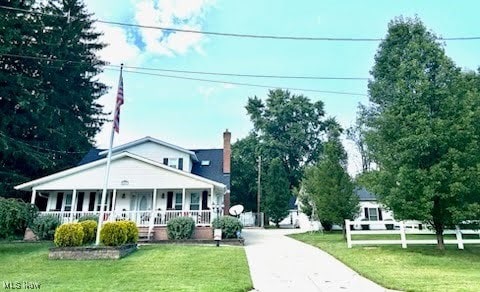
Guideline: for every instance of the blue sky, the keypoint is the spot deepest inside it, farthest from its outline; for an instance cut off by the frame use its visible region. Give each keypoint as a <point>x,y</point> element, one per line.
<point>193,114</point>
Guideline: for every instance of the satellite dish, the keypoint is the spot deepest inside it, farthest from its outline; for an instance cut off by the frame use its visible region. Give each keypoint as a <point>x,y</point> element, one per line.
<point>235,210</point>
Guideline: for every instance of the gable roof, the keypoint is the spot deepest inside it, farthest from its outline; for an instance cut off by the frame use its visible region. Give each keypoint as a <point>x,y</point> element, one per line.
<point>150,139</point>
<point>33,183</point>
<point>364,195</point>
<point>91,156</point>
<point>214,170</point>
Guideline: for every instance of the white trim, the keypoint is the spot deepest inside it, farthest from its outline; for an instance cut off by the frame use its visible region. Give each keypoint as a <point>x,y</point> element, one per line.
<point>150,139</point>
<point>42,180</point>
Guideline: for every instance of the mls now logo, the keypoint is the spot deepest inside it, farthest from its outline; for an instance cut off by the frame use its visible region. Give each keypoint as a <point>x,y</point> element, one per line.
<point>13,285</point>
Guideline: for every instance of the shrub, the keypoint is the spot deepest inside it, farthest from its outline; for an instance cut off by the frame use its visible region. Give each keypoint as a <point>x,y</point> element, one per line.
<point>113,234</point>
<point>15,216</point>
<point>131,230</point>
<point>69,234</point>
<point>180,228</point>
<point>89,230</point>
<point>229,225</point>
<point>88,217</point>
<point>44,226</point>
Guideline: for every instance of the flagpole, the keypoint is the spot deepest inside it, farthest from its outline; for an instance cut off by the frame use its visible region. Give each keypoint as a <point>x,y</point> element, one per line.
<point>107,174</point>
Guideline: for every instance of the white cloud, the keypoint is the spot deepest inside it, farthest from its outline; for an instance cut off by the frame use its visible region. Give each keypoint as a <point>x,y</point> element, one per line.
<point>119,49</point>
<point>175,14</point>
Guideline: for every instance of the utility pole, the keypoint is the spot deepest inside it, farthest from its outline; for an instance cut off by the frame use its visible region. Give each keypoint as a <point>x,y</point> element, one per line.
<point>259,189</point>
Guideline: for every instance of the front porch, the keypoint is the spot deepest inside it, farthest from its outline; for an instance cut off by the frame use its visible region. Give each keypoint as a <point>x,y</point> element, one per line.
<point>141,218</point>
<point>147,208</point>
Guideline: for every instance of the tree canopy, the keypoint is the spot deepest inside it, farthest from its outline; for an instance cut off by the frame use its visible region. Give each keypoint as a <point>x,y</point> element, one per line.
<point>49,109</point>
<point>424,129</point>
<point>288,127</point>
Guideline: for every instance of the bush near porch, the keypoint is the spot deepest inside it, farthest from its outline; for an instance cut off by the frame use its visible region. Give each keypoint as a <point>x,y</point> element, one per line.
<point>151,268</point>
<point>417,268</point>
<point>229,225</point>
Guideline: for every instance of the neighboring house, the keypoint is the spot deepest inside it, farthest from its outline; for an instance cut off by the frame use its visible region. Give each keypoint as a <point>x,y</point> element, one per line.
<point>150,182</point>
<point>370,210</point>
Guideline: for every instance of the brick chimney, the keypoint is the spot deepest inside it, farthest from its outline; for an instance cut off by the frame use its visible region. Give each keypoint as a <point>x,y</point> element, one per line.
<point>227,151</point>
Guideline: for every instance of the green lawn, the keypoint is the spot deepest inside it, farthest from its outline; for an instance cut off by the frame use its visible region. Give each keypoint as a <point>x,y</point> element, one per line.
<point>417,268</point>
<point>151,268</point>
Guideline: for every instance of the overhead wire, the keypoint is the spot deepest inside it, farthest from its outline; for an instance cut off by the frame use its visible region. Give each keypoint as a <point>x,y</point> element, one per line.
<point>238,35</point>
<point>198,79</point>
<point>41,148</point>
<point>199,72</point>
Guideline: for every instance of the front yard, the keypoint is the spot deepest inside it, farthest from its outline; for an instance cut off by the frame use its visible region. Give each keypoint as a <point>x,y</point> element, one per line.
<point>417,268</point>
<point>151,268</point>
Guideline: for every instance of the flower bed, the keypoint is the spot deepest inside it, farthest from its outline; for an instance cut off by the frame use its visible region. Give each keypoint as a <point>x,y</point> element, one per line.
<point>91,252</point>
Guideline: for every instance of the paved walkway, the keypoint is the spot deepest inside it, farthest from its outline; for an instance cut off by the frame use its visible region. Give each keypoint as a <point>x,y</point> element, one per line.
<point>280,263</point>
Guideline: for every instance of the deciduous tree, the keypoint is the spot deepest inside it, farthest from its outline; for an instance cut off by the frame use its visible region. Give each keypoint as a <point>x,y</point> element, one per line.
<point>425,130</point>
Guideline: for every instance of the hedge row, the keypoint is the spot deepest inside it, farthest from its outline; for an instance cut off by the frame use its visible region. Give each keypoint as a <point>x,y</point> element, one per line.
<point>84,232</point>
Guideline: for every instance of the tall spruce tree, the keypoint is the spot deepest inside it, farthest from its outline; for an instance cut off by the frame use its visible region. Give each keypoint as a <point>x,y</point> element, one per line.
<point>424,130</point>
<point>328,186</point>
<point>277,192</point>
<point>49,110</point>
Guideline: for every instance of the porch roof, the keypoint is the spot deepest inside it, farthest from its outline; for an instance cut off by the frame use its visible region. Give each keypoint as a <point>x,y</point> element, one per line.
<point>149,173</point>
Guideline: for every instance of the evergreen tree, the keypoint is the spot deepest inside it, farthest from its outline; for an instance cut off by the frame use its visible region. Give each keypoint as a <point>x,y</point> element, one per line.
<point>328,186</point>
<point>277,193</point>
<point>49,110</point>
<point>244,172</point>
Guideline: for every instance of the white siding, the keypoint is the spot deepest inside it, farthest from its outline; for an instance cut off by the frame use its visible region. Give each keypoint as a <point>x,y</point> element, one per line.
<point>140,175</point>
<point>157,153</point>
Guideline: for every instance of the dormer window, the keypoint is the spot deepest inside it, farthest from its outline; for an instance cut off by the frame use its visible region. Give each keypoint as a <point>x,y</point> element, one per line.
<point>174,162</point>
<point>205,162</point>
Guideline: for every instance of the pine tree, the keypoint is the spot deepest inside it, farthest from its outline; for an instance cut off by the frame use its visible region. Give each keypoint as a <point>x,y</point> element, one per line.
<point>49,111</point>
<point>277,192</point>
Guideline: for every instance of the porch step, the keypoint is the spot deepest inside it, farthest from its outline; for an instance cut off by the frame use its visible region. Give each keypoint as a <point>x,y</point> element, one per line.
<point>143,234</point>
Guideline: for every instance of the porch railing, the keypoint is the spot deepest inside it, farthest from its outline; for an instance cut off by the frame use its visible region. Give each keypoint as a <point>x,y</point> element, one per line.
<point>141,218</point>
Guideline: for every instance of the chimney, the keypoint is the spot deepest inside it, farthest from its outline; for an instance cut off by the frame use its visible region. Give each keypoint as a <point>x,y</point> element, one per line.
<point>227,151</point>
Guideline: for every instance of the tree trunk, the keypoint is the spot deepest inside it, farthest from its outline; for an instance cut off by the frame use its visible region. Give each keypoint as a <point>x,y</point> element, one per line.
<point>438,222</point>
<point>440,242</point>
<point>344,231</point>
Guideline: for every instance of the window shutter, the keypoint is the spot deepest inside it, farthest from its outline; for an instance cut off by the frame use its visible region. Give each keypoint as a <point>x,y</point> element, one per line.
<point>380,214</point>
<point>165,161</point>
<point>366,212</point>
<point>180,163</point>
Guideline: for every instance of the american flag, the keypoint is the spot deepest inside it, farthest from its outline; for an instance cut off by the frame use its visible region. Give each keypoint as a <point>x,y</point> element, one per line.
<point>116,117</point>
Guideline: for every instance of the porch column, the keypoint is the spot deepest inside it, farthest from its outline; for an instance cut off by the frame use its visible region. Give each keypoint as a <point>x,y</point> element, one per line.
<point>211,204</point>
<point>34,196</point>
<point>152,213</point>
<point>183,200</point>
<point>74,204</point>
<point>114,201</point>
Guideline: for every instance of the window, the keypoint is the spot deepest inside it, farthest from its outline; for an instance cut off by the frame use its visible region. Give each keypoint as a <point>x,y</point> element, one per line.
<point>178,201</point>
<point>68,203</point>
<point>373,214</point>
<point>194,201</point>
<point>174,162</point>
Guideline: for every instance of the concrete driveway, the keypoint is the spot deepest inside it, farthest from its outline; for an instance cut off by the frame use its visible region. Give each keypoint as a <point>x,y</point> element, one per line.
<point>280,263</point>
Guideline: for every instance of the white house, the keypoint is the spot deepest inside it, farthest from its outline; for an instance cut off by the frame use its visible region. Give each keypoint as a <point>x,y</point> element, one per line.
<point>150,182</point>
<point>370,209</point>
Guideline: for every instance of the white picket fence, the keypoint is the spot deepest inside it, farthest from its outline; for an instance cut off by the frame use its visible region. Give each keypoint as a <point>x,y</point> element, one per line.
<point>402,231</point>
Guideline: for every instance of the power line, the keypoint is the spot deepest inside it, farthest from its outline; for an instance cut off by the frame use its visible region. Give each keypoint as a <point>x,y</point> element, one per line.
<point>201,72</point>
<point>194,79</point>
<point>41,148</point>
<point>242,84</point>
<point>239,35</point>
